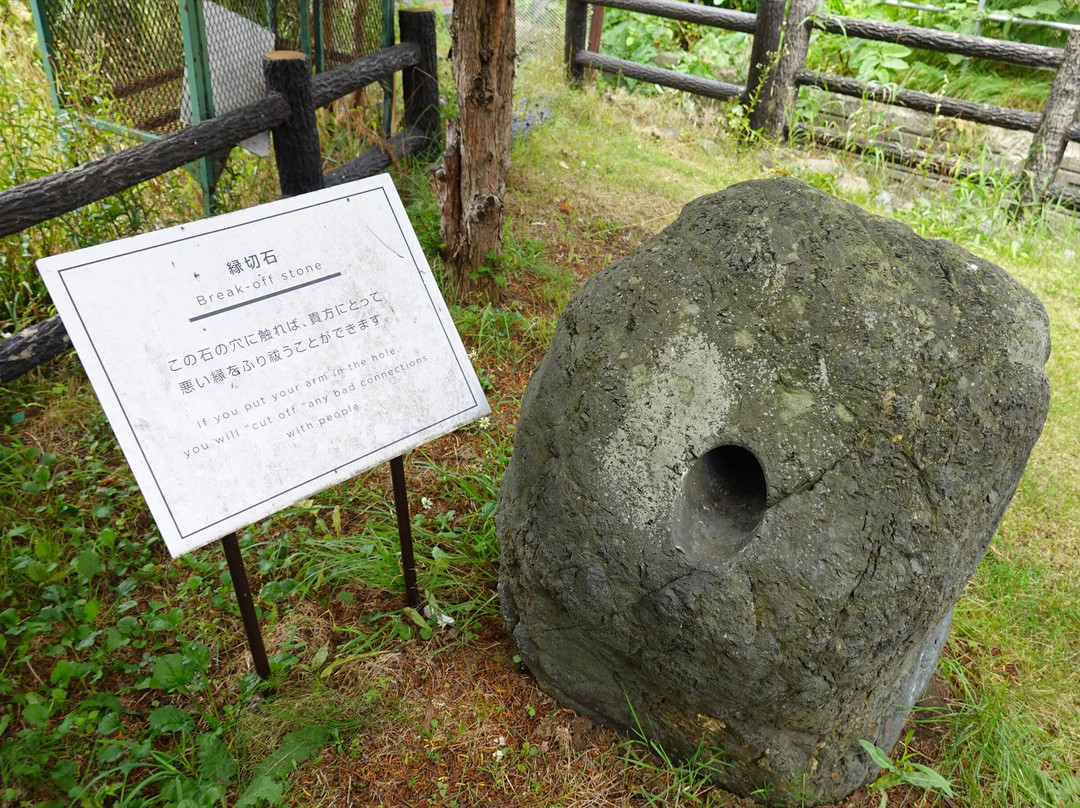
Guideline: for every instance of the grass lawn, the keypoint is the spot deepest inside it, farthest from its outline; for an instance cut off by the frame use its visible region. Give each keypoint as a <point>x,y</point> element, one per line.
<point>124,674</point>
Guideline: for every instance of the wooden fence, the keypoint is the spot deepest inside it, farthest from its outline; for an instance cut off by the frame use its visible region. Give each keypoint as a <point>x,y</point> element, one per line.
<point>288,111</point>
<point>777,71</point>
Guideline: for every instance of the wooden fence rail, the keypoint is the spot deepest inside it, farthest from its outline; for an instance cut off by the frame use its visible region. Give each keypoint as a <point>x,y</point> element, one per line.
<point>40,200</point>
<point>287,111</point>
<point>777,70</point>
<point>1005,117</point>
<point>710,88</point>
<point>976,47</point>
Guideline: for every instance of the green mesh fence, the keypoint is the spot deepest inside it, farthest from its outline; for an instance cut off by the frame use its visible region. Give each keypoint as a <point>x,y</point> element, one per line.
<point>137,51</point>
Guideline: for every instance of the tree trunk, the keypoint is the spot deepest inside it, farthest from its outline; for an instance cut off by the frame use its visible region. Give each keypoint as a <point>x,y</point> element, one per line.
<point>472,179</point>
<point>1048,145</point>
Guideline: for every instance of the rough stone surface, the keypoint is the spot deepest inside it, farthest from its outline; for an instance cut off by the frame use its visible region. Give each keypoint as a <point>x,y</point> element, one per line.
<point>751,477</point>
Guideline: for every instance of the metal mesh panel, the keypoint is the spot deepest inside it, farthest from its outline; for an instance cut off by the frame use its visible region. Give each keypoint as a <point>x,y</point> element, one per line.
<point>350,29</point>
<point>540,28</point>
<point>136,49</point>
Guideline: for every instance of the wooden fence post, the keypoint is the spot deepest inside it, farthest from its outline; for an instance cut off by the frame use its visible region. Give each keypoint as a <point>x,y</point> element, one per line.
<point>577,13</point>
<point>763,56</point>
<point>795,42</point>
<point>1048,144</point>
<point>420,84</point>
<point>296,142</point>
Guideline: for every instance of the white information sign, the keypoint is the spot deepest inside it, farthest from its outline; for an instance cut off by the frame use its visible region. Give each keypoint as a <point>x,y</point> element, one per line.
<point>248,361</point>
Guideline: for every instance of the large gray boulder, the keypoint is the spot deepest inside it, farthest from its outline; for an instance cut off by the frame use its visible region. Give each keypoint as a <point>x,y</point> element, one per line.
<point>753,474</point>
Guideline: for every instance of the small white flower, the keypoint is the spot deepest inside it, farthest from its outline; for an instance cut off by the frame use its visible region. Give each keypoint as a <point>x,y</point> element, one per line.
<point>485,422</point>
<point>426,503</point>
<point>499,754</point>
<point>441,620</point>
<point>473,355</point>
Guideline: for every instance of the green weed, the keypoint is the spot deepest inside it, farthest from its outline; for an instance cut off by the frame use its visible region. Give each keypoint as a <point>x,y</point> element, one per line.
<point>904,771</point>
<point>681,782</point>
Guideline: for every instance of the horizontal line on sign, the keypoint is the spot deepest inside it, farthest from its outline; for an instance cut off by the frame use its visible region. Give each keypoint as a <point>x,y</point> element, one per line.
<point>264,297</point>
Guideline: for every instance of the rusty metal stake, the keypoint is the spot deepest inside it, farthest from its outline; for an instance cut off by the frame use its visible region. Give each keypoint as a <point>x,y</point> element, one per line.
<point>404,523</point>
<point>596,27</point>
<point>247,606</point>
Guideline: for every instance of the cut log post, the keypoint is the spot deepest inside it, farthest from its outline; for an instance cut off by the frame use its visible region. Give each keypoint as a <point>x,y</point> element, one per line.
<point>377,159</point>
<point>763,59</point>
<point>31,347</point>
<point>1059,115</point>
<point>798,26</point>
<point>349,78</point>
<point>577,13</point>
<point>1060,195</point>
<point>697,13</point>
<point>940,164</point>
<point>420,83</point>
<point>296,141</point>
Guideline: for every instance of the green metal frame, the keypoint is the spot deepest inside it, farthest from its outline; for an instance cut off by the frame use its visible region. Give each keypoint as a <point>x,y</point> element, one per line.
<point>207,170</point>
<point>319,45</point>
<point>45,44</point>
<point>305,27</point>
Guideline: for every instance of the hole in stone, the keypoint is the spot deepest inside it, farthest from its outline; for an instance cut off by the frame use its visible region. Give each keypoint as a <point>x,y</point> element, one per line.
<point>721,504</point>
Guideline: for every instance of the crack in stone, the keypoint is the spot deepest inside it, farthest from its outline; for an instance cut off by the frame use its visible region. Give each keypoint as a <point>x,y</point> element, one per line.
<point>871,560</point>
<point>674,581</point>
<point>809,484</point>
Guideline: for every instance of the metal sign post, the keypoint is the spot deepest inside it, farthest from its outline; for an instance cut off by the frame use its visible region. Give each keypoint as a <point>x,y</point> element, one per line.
<point>247,607</point>
<point>404,522</point>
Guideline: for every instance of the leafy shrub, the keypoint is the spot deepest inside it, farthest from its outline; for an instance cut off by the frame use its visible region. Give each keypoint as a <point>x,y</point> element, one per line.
<point>685,47</point>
